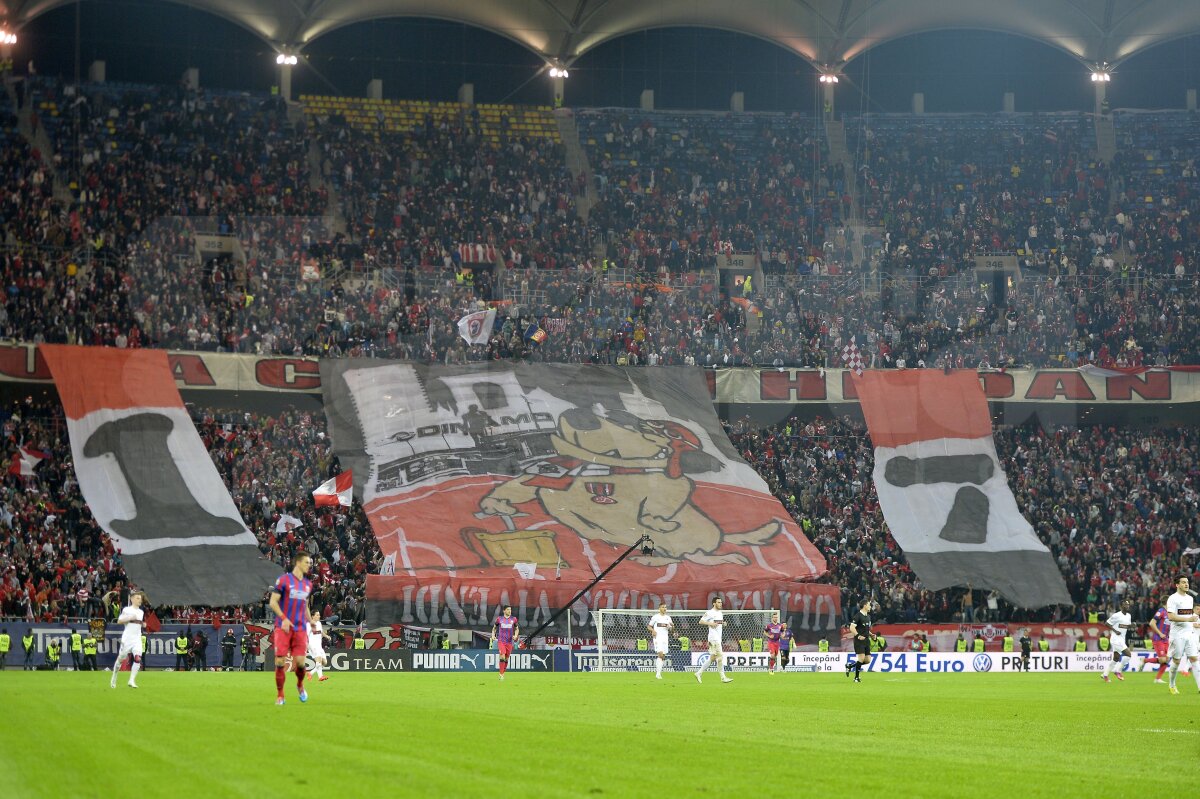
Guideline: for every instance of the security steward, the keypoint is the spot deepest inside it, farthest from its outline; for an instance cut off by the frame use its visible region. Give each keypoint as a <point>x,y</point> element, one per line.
<point>27,645</point>
<point>5,644</point>
<point>89,653</point>
<point>181,652</point>
<point>76,650</point>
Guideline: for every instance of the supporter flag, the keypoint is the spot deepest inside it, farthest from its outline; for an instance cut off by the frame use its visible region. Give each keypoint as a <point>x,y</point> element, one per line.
<point>288,523</point>
<point>152,624</point>
<point>476,328</point>
<point>943,492</point>
<point>852,357</point>
<point>1051,136</point>
<point>477,253</point>
<point>335,491</point>
<point>149,481</point>
<point>26,460</point>
<point>535,333</point>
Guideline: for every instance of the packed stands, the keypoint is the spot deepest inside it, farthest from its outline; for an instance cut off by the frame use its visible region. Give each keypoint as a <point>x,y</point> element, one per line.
<point>449,208</point>
<point>676,189</point>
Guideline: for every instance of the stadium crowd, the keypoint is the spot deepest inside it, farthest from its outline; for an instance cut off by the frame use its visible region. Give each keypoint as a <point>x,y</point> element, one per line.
<point>1110,277</point>
<point>673,190</point>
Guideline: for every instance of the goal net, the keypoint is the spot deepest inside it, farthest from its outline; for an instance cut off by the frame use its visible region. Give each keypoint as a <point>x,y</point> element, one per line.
<point>625,643</point>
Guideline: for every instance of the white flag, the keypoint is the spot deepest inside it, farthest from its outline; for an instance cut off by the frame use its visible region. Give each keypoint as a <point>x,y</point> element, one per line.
<point>389,565</point>
<point>526,570</point>
<point>476,328</point>
<point>287,523</point>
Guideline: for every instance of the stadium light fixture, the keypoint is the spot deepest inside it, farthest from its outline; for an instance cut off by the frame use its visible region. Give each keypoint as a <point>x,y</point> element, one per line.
<point>284,59</point>
<point>7,37</point>
<point>828,78</point>
<point>1101,73</point>
<point>557,72</point>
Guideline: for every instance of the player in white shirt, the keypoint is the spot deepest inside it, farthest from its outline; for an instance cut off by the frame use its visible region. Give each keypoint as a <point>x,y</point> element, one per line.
<point>714,620</point>
<point>316,646</point>
<point>131,638</point>
<point>1119,623</point>
<point>1181,612</point>
<point>660,628</point>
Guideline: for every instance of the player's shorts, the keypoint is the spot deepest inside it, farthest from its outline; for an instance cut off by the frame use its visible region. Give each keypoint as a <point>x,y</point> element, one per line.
<point>316,652</point>
<point>862,647</point>
<point>1184,646</point>
<point>505,649</point>
<point>661,646</point>
<point>1161,648</point>
<point>292,642</point>
<point>773,647</point>
<point>134,648</point>
<point>714,648</point>
<point>1117,644</point>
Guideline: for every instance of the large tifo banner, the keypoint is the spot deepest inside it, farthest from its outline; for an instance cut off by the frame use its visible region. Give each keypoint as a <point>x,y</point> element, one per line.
<point>149,481</point>
<point>497,484</point>
<point>943,492</point>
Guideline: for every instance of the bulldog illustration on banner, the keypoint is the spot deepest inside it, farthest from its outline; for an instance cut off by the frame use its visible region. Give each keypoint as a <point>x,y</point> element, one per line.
<point>501,478</point>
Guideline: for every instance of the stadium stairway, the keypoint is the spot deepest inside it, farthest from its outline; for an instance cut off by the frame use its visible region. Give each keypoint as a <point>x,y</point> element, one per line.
<point>577,160</point>
<point>835,139</point>
<point>39,139</point>
<point>335,219</point>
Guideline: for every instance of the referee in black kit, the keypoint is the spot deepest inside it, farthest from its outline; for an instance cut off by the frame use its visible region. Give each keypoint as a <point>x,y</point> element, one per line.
<point>860,631</point>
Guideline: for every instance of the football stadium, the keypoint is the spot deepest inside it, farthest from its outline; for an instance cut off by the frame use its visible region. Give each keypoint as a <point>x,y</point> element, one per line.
<point>625,398</point>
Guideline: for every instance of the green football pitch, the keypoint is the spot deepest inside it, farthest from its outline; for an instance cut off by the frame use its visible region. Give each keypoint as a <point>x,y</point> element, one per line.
<point>557,735</point>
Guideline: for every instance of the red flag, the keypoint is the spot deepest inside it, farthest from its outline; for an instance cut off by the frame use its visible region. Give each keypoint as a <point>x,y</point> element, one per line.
<point>335,491</point>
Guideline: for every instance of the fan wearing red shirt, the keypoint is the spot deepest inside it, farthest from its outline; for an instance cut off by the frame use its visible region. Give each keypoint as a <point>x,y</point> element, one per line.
<point>289,603</point>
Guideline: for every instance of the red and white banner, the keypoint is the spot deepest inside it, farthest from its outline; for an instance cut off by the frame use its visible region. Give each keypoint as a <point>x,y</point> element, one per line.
<point>943,491</point>
<point>223,371</point>
<point>25,461</point>
<point>477,253</point>
<point>149,481</point>
<point>335,491</point>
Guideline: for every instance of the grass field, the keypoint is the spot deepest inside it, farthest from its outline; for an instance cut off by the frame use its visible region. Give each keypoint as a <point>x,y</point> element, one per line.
<point>540,735</point>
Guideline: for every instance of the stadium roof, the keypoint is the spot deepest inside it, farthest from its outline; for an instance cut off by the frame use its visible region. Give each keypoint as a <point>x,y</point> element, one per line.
<point>821,31</point>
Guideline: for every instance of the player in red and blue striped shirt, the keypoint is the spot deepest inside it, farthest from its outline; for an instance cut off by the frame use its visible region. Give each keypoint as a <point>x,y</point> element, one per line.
<point>289,602</point>
<point>504,635</point>
<point>774,633</point>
